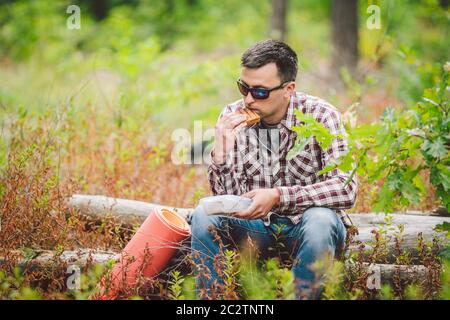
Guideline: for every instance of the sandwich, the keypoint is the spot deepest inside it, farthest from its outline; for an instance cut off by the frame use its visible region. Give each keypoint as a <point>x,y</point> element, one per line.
<point>252,117</point>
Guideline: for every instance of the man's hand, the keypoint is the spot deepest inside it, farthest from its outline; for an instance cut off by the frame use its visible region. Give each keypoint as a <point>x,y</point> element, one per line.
<point>263,201</point>
<point>225,135</point>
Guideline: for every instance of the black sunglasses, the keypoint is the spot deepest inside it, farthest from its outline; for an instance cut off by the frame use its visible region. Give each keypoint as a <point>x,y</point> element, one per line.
<point>257,93</point>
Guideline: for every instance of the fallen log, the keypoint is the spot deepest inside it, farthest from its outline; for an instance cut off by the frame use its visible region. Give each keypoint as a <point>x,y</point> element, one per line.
<point>126,211</point>
<point>132,211</point>
<point>414,223</point>
<point>407,240</point>
<point>85,258</point>
<point>41,258</point>
<point>397,276</point>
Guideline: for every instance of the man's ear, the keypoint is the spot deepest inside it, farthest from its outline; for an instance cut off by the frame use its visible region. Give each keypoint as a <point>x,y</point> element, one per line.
<point>290,89</point>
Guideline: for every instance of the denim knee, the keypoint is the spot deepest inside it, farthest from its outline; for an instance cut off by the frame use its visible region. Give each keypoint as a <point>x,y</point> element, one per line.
<point>197,216</point>
<point>320,219</point>
<point>322,228</point>
<point>201,222</point>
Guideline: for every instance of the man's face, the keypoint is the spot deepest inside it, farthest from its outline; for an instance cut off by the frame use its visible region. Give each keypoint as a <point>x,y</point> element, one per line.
<point>265,77</point>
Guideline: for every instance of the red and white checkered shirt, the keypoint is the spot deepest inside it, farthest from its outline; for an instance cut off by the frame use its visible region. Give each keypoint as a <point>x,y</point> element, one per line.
<point>254,164</point>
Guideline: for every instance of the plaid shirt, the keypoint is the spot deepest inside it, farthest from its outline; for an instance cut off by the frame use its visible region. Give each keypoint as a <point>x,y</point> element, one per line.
<point>252,165</point>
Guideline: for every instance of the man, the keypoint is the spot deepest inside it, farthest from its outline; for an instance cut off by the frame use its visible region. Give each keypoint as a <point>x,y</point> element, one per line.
<point>286,191</point>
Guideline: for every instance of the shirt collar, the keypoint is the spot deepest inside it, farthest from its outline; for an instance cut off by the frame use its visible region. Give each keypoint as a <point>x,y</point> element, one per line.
<point>289,120</point>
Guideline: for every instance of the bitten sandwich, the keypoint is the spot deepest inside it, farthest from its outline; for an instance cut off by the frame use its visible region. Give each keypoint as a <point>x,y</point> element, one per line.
<point>252,117</point>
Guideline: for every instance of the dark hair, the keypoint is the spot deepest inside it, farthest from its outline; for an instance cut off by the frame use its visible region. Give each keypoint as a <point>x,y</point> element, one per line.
<point>269,51</point>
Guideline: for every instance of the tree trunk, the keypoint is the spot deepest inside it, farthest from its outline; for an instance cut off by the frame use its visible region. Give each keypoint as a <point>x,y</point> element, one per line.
<point>86,258</point>
<point>344,17</point>
<point>135,212</point>
<point>126,211</point>
<point>99,9</point>
<point>278,20</point>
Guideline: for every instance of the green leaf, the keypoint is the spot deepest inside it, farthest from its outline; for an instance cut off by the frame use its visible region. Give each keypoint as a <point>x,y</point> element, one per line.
<point>384,201</point>
<point>296,148</point>
<point>436,149</point>
<point>445,181</point>
<point>328,168</point>
<point>445,226</point>
<point>445,253</point>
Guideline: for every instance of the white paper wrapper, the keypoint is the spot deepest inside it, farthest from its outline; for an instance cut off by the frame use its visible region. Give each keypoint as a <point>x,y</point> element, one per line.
<point>224,205</point>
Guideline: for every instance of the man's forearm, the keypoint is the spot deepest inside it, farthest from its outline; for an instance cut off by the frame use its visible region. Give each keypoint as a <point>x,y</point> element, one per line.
<point>218,156</point>
<point>224,179</point>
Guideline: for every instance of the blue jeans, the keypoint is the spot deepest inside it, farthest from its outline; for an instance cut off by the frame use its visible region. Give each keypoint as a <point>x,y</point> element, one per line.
<point>320,233</point>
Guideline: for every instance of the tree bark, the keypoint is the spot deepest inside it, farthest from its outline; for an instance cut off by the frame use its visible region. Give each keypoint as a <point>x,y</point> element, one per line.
<point>278,20</point>
<point>135,212</point>
<point>41,258</point>
<point>99,9</point>
<point>85,258</point>
<point>344,18</point>
<point>126,211</point>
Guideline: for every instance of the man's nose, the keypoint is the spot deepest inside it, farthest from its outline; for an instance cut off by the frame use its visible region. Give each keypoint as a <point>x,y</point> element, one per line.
<point>249,99</point>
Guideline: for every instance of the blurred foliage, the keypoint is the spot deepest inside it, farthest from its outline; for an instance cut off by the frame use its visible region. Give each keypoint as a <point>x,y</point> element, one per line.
<point>101,101</point>
<point>155,55</point>
<point>397,148</point>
